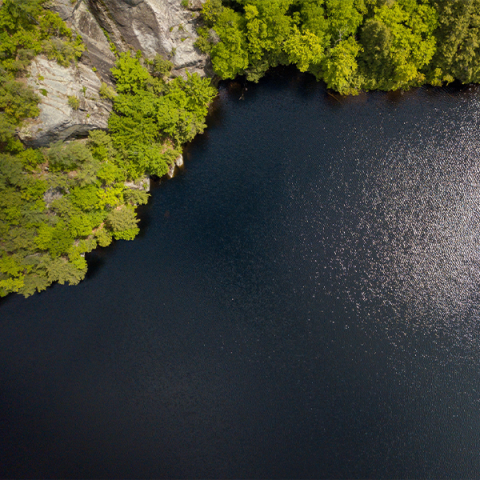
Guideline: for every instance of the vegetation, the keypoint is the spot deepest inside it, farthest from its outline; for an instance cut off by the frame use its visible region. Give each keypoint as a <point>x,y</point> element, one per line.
<point>107,91</point>
<point>26,30</point>
<point>349,44</point>
<point>74,102</point>
<point>152,118</point>
<point>58,203</point>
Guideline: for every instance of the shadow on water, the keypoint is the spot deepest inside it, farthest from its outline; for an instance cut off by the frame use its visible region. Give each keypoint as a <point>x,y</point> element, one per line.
<point>216,115</point>
<point>98,258</point>
<point>400,96</point>
<point>4,301</point>
<point>144,214</point>
<point>215,118</point>
<point>95,261</point>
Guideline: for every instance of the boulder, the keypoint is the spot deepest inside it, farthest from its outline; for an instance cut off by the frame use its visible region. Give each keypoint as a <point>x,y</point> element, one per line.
<point>142,184</point>
<point>173,167</point>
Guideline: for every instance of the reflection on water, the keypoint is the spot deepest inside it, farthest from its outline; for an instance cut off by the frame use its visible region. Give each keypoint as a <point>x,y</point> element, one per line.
<point>417,231</point>
<point>404,202</point>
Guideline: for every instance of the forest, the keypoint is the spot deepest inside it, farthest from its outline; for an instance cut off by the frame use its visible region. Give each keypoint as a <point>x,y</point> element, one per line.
<point>60,202</point>
<point>351,45</point>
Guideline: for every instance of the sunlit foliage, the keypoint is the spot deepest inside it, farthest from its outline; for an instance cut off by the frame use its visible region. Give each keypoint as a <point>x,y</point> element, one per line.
<point>52,214</point>
<point>152,118</point>
<point>349,44</point>
<point>60,202</point>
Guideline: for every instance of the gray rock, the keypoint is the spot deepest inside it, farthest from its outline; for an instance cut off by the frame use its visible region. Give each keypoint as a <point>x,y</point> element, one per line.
<point>174,166</point>
<point>98,53</point>
<point>106,21</point>
<point>64,8</point>
<point>57,120</point>
<point>78,17</point>
<point>143,184</point>
<point>213,36</point>
<point>154,26</point>
<point>52,194</point>
<point>195,4</point>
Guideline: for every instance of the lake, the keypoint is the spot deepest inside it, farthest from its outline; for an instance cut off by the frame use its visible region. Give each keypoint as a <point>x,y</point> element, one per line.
<point>303,301</point>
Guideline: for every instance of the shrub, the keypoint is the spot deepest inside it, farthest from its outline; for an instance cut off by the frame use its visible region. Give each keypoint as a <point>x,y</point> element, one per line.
<point>123,223</point>
<point>161,66</point>
<point>74,102</point>
<point>107,92</point>
<point>130,75</point>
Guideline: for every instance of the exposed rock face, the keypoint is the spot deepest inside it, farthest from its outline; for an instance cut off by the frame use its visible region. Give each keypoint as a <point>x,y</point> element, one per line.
<point>142,184</point>
<point>174,166</point>
<point>78,16</point>
<point>64,8</point>
<point>98,54</point>
<point>57,119</point>
<point>155,26</point>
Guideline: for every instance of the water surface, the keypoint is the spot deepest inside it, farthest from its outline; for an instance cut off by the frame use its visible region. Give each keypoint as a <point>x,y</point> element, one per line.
<point>303,302</point>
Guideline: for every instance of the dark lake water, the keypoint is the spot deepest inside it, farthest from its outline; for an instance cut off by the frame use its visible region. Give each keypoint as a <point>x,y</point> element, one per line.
<point>303,302</point>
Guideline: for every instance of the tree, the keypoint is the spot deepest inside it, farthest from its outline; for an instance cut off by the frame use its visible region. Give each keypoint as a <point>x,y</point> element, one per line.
<point>304,49</point>
<point>397,43</point>
<point>340,67</point>
<point>458,42</point>
<point>129,74</point>
<point>123,223</point>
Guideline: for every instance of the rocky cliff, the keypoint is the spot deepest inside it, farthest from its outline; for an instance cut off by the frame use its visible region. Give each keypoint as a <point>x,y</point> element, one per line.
<point>154,26</point>
<point>57,119</point>
<point>165,27</point>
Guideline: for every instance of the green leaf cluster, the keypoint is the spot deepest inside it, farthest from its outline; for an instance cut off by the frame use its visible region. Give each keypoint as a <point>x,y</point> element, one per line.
<point>152,118</point>
<point>58,204</point>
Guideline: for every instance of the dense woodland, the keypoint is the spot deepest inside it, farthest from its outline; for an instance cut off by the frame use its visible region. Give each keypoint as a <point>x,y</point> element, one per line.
<point>351,45</point>
<point>60,202</point>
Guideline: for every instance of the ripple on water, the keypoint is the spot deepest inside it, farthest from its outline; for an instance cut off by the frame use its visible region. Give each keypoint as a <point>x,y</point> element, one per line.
<point>413,233</point>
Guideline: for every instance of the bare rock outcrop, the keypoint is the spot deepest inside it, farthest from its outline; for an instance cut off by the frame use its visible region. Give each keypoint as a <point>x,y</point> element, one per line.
<point>178,164</point>
<point>64,8</point>
<point>142,184</point>
<point>165,27</point>
<point>78,16</point>
<point>58,120</point>
<point>98,52</point>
